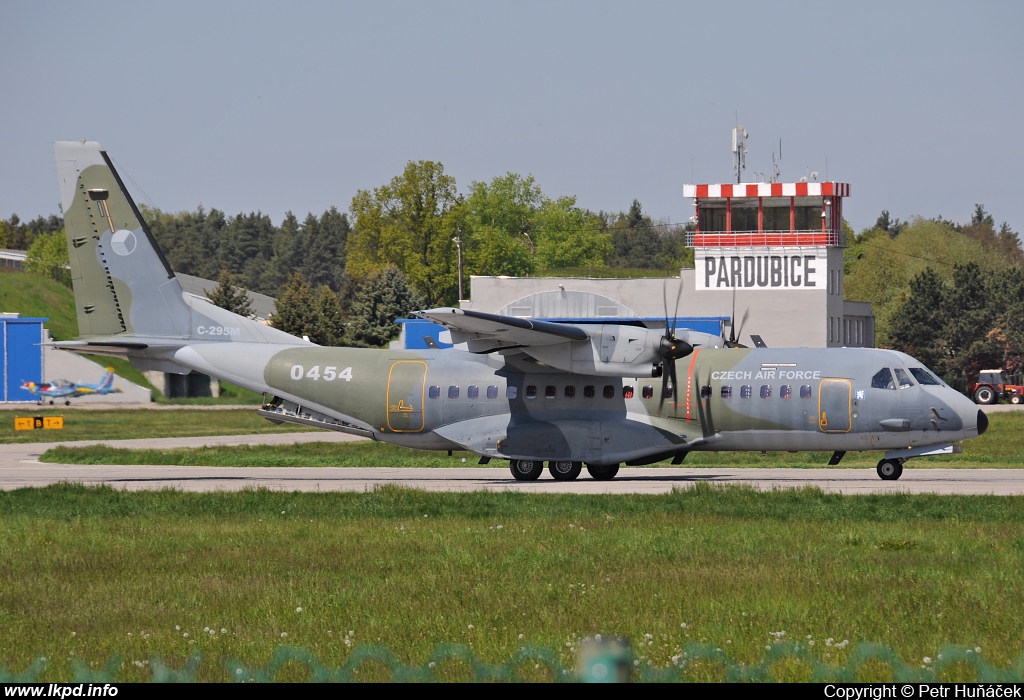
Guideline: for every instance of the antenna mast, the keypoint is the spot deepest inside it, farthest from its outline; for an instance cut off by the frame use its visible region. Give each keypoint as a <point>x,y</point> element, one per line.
<point>739,152</point>
<point>775,163</point>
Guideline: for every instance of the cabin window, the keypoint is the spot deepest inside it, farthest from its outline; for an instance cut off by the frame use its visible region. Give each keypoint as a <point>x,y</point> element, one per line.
<point>473,392</point>
<point>648,392</point>
<point>492,392</point>
<point>453,392</point>
<point>923,376</point>
<point>588,391</point>
<point>785,391</point>
<point>766,391</point>
<point>705,391</point>
<point>904,379</point>
<point>805,391</point>
<point>570,392</point>
<point>434,392</point>
<point>531,392</point>
<point>609,391</point>
<point>726,391</point>
<point>511,392</point>
<point>627,392</point>
<point>746,391</point>
<point>883,380</point>
<point>550,392</point>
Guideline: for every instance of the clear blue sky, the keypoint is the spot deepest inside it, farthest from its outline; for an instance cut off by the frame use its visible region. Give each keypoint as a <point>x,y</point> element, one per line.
<point>278,106</point>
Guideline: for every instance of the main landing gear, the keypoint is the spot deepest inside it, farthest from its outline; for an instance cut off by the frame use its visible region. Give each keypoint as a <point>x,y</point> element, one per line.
<point>890,469</point>
<point>565,471</point>
<point>560,470</point>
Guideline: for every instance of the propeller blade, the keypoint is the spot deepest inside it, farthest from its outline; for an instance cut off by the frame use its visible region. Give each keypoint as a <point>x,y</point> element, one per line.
<point>732,322</point>
<point>664,387</point>
<point>675,315</point>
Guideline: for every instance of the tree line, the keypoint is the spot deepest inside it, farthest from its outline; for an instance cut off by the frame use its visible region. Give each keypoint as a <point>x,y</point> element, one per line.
<point>399,241</point>
<point>948,294</point>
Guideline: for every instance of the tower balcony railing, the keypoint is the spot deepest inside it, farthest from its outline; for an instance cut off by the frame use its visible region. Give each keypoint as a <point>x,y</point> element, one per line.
<point>765,239</point>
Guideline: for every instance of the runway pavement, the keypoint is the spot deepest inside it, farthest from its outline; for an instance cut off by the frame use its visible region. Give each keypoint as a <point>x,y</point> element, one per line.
<point>19,467</point>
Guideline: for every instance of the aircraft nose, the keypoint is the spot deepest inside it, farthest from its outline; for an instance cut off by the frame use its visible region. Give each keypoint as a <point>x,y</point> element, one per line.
<point>982,422</point>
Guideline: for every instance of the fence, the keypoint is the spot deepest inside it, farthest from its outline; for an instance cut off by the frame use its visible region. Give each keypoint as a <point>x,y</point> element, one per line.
<point>618,663</point>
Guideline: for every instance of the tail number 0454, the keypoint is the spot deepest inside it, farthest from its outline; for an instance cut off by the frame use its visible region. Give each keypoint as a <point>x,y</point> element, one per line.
<point>330,373</point>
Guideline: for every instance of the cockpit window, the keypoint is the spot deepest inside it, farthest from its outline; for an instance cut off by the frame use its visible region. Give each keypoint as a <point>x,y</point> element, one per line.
<point>883,380</point>
<point>925,377</point>
<point>903,378</point>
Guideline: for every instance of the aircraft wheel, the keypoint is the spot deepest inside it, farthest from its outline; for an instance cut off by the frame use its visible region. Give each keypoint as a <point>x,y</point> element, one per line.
<point>67,403</point>
<point>565,470</point>
<point>985,395</point>
<point>603,472</point>
<point>526,469</point>
<point>51,402</point>
<point>889,469</point>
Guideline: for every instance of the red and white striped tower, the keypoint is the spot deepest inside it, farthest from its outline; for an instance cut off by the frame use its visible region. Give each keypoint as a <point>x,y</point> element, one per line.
<point>776,238</point>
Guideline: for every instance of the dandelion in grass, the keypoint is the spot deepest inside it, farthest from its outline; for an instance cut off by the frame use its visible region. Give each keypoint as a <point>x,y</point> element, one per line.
<point>522,636</point>
<point>927,659</point>
<point>298,609</point>
<point>283,635</point>
<point>184,635</point>
<point>469,626</point>
<point>223,630</point>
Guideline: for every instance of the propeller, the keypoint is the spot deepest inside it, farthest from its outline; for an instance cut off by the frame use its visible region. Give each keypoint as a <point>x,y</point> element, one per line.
<point>670,348</point>
<point>733,340</point>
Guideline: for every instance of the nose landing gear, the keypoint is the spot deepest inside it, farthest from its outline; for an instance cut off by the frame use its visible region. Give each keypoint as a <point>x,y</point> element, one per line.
<point>890,469</point>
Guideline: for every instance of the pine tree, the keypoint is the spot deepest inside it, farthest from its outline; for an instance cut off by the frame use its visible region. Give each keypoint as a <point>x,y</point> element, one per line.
<point>330,324</point>
<point>386,297</point>
<point>229,296</point>
<point>295,311</point>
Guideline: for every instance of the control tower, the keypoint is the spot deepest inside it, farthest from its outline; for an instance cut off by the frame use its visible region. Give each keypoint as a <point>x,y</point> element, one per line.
<point>778,246</point>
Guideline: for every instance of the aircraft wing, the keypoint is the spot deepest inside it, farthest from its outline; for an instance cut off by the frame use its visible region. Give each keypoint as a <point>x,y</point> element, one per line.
<point>488,332</point>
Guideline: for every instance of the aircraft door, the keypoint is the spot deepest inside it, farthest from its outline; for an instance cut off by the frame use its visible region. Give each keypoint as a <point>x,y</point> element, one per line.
<point>834,405</point>
<point>406,385</point>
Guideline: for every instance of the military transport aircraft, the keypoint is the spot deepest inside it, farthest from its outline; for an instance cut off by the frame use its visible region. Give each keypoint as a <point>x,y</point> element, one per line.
<point>63,389</point>
<point>522,390</point>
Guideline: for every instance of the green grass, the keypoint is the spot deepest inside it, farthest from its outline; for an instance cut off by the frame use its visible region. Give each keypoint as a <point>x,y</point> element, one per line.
<point>35,296</point>
<point>87,573</point>
<point>1001,447</point>
<point>122,424</point>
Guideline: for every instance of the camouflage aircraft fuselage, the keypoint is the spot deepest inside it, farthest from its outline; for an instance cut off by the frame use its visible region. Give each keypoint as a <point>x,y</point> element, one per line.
<point>521,389</point>
<point>801,399</point>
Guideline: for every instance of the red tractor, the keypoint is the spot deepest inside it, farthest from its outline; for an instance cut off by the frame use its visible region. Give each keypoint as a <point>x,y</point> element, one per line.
<point>991,387</point>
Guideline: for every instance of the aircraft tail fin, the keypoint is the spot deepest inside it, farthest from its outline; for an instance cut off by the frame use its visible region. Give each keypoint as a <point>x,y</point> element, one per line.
<point>108,380</point>
<point>120,276</point>
<point>127,297</point>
